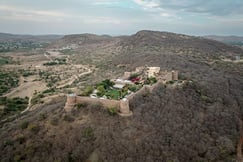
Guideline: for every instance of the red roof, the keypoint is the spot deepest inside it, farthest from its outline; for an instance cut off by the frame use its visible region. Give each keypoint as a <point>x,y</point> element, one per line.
<point>135,79</point>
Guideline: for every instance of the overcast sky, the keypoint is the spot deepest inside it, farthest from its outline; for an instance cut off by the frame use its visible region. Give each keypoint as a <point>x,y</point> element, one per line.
<point>118,17</point>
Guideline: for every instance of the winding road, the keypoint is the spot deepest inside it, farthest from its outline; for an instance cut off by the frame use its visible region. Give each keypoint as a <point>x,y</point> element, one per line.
<point>75,77</point>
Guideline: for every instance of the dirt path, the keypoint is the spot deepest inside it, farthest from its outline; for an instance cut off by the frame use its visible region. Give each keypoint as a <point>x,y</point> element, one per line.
<point>74,78</point>
<point>48,57</point>
<point>68,59</point>
<point>21,82</point>
<point>27,89</point>
<point>29,105</point>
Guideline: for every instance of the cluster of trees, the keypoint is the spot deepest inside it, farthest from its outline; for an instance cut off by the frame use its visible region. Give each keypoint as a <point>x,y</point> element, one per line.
<point>8,80</point>
<point>5,60</point>
<point>58,61</point>
<point>49,77</point>
<point>26,73</point>
<point>151,80</point>
<point>51,63</point>
<point>12,105</point>
<point>105,88</point>
<point>165,125</point>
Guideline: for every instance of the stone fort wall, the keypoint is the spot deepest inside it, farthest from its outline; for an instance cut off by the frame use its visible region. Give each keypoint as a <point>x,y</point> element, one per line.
<point>145,89</point>
<point>122,105</point>
<point>105,102</point>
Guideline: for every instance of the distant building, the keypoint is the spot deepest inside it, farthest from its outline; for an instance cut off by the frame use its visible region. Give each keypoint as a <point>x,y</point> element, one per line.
<point>121,81</point>
<point>148,72</point>
<point>153,71</point>
<point>119,86</point>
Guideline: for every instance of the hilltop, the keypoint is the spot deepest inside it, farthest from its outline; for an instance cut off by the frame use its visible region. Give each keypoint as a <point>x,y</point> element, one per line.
<point>197,121</point>
<point>80,39</point>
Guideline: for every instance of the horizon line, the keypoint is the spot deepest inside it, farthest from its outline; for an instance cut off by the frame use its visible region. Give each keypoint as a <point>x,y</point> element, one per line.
<point>115,35</point>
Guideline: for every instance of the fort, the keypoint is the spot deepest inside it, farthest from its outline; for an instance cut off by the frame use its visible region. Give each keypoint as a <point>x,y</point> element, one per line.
<point>122,105</point>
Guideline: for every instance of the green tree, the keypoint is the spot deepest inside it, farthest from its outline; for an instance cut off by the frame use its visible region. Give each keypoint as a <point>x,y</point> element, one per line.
<point>106,84</point>
<point>101,90</point>
<point>88,90</point>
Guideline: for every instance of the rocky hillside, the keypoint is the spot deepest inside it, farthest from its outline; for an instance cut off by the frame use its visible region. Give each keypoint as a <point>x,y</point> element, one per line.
<point>157,44</point>
<point>198,121</point>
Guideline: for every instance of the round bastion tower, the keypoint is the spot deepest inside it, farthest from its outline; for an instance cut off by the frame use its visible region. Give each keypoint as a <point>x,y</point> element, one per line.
<point>174,75</point>
<point>71,101</point>
<point>124,108</point>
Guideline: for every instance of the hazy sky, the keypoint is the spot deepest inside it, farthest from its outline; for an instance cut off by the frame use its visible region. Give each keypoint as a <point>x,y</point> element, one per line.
<point>117,17</point>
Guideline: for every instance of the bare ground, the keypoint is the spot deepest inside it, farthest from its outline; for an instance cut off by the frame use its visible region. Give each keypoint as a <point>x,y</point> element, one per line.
<point>27,89</point>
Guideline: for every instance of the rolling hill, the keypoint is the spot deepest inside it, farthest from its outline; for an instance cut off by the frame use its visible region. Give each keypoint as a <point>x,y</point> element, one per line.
<point>199,121</point>
<point>6,37</point>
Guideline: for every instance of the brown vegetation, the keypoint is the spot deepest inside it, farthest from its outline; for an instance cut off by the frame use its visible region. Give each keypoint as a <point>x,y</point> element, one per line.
<point>198,121</point>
